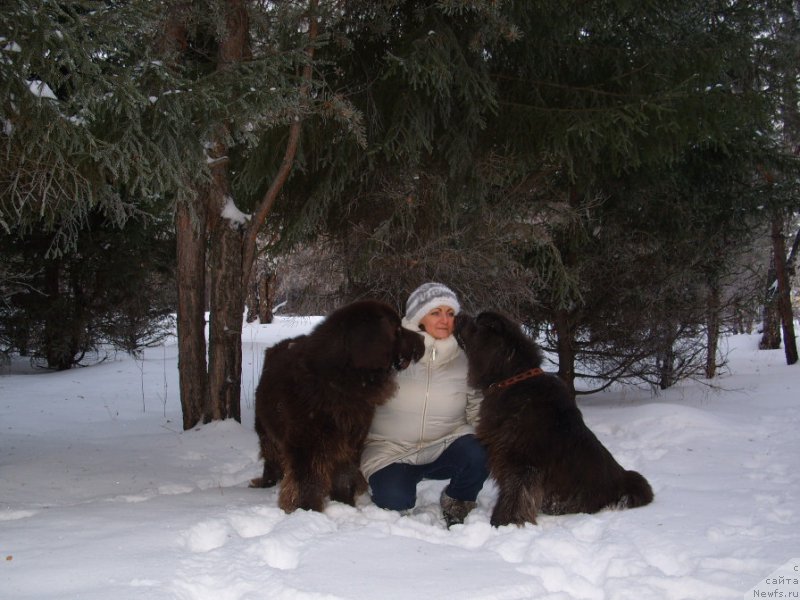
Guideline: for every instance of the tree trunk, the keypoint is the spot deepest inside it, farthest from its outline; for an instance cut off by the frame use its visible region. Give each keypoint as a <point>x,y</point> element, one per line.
<point>190,229</point>
<point>666,359</point>
<point>252,302</point>
<point>770,320</point>
<point>266,297</point>
<point>791,140</point>
<point>712,330</point>
<point>260,298</point>
<point>54,342</point>
<point>214,394</point>
<point>191,282</point>
<point>226,296</point>
<point>268,201</point>
<point>783,291</point>
<point>225,323</point>
<point>566,349</point>
<point>225,261</point>
<point>233,245</point>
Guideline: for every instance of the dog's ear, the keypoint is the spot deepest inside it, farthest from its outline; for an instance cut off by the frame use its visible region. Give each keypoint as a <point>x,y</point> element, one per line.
<point>492,322</point>
<point>370,343</point>
<point>462,320</point>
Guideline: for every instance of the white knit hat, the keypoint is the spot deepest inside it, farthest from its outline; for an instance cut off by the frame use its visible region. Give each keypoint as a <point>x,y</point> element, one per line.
<point>425,298</point>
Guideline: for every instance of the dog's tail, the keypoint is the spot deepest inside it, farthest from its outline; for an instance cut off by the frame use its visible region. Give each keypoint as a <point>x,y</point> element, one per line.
<point>636,491</point>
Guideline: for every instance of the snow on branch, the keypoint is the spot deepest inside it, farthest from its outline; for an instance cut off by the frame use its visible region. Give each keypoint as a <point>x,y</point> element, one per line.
<point>231,213</point>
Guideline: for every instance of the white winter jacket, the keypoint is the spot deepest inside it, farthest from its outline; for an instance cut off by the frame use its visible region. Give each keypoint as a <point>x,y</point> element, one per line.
<point>432,407</point>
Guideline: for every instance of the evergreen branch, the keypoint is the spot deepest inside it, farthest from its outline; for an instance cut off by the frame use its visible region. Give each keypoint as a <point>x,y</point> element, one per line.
<point>268,201</point>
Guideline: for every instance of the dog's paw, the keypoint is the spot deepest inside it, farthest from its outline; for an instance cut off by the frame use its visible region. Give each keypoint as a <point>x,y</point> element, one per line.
<point>262,482</point>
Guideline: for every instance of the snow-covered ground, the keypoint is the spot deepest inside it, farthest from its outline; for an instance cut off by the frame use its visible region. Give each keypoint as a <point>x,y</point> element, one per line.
<point>103,496</point>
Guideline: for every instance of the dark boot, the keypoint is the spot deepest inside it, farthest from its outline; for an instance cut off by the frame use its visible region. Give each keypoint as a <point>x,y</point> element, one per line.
<point>455,511</point>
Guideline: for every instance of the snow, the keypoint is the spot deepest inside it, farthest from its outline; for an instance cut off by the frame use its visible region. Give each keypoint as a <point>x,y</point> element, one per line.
<point>40,89</point>
<point>233,214</point>
<point>10,46</point>
<point>102,495</point>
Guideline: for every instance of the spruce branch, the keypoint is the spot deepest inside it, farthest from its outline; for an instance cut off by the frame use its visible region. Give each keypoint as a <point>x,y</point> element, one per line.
<point>264,208</point>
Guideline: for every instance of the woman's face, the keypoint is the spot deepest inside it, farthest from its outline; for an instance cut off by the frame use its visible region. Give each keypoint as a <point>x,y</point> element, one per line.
<point>439,322</point>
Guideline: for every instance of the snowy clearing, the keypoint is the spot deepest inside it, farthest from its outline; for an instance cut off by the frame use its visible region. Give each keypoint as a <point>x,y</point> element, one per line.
<point>103,496</point>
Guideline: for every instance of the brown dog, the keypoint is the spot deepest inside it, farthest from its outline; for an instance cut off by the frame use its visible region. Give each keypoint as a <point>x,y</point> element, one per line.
<point>316,398</point>
<point>541,453</point>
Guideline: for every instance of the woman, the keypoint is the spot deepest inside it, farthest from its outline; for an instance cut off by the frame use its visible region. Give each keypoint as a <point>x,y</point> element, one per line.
<point>426,430</point>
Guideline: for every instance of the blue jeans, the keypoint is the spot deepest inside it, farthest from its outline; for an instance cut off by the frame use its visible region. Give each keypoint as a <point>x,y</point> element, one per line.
<point>463,462</point>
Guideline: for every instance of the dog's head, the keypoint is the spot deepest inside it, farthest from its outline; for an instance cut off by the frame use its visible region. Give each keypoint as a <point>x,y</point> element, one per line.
<point>368,335</point>
<point>496,347</point>
<point>410,347</point>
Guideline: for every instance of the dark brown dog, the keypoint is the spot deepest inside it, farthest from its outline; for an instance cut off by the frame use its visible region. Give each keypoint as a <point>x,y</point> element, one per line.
<point>316,399</point>
<point>541,453</point>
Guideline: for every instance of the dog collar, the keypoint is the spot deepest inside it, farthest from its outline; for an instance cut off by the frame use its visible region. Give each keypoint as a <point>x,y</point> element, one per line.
<point>535,372</point>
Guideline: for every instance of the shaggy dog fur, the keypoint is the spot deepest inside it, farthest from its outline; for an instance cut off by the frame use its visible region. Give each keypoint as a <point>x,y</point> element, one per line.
<point>316,399</point>
<point>541,453</point>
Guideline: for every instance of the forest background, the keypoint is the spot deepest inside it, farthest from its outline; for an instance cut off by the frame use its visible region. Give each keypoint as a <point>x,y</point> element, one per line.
<point>619,175</point>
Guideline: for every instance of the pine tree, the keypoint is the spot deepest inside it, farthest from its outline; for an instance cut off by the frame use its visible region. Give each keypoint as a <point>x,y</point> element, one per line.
<point>113,287</point>
<point>780,55</point>
<point>514,147</point>
<point>243,64</point>
<point>108,105</point>
<point>625,104</point>
<point>78,164</point>
<point>77,134</point>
